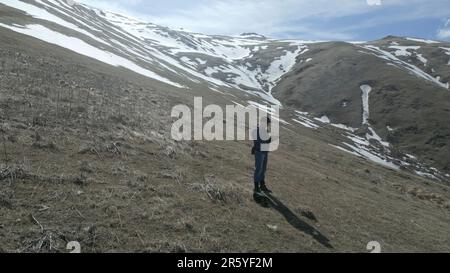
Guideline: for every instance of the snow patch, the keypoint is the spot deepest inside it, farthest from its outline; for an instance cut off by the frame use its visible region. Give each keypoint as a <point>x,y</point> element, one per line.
<point>81,47</point>
<point>426,175</point>
<point>404,50</point>
<point>373,135</point>
<point>40,13</point>
<point>414,70</point>
<point>304,119</point>
<point>447,51</point>
<point>421,58</point>
<point>344,127</point>
<point>366,89</point>
<point>283,65</point>
<point>423,41</point>
<point>361,150</point>
<point>376,158</point>
<point>323,119</point>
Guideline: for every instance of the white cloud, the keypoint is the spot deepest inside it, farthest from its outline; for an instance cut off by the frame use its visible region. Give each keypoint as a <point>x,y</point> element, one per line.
<point>444,33</point>
<point>264,16</point>
<point>374,2</point>
<point>119,6</point>
<point>275,18</point>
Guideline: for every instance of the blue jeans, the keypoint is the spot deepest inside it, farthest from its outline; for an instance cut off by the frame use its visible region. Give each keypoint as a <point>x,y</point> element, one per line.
<point>260,166</point>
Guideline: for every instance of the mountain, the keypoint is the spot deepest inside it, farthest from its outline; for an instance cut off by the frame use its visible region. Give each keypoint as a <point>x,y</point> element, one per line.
<point>87,155</point>
<point>250,63</point>
<point>409,100</point>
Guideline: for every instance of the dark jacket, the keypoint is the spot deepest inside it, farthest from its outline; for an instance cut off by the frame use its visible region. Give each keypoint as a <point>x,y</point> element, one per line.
<point>257,143</point>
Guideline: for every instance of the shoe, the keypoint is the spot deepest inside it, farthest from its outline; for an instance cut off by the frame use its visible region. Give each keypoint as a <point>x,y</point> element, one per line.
<point>264,188</point>
<point>260,199</point>
<point>258,193</point>
<point>257,190</point>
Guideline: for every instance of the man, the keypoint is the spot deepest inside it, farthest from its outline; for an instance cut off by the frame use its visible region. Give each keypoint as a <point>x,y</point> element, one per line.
<point>261,158</point>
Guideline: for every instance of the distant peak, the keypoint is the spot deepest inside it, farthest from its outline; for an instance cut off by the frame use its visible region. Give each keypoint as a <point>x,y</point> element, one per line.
<point>252,35</point>
<point>390,37</point>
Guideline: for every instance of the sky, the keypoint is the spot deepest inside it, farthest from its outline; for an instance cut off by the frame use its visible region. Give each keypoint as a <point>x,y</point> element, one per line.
<point>349,20</point>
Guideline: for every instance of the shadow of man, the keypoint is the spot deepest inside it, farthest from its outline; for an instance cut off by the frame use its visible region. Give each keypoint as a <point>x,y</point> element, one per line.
<point>297,223</point>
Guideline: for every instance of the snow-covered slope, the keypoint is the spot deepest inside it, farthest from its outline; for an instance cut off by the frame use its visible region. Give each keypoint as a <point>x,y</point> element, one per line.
<point>250,63</point>
<point>394,59</point>
<point>371,147</point>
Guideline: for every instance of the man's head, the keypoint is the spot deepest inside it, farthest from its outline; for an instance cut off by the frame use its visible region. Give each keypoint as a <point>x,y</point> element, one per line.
<point>269,131</point>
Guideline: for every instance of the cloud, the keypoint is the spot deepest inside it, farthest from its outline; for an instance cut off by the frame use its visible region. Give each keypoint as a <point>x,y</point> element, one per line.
<point>119,6</point>
<point>374,2</point>
<point>282,18</point>
<point>267,17</point>
<point>444,33</point>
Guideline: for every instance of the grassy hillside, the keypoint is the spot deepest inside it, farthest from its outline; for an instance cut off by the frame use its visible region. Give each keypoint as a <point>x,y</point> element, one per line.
<point>86,155</point>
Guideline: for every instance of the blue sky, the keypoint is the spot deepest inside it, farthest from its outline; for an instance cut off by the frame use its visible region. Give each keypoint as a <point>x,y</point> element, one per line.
<point>300,19</point>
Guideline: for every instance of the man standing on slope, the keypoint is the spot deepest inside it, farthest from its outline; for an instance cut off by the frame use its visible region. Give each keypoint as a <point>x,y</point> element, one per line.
<point>261,157</point>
